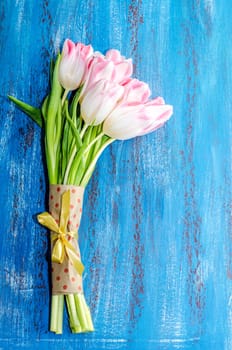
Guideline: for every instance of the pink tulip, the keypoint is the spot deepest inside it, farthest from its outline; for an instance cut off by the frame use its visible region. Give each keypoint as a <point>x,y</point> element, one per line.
<point>136,91</point>
<point>123,66</point>
<point>129,120</point>
<point>98,69</point>
<point>112,67</point>
<point>99,101</point>
<point>73,64</point>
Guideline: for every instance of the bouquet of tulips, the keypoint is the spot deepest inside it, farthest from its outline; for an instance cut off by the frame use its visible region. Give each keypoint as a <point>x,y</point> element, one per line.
<point>93,101</point>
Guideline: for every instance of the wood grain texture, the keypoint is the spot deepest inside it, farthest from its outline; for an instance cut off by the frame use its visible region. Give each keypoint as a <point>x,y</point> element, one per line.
<point>156,232</point>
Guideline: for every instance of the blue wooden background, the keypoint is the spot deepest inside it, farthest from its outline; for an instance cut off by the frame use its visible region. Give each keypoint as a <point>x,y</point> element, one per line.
<point>156,234</point>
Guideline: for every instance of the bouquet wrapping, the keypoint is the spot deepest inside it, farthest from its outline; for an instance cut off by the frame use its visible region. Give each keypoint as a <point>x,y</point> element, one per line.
<point>65,276</point>
<point>93,101</point>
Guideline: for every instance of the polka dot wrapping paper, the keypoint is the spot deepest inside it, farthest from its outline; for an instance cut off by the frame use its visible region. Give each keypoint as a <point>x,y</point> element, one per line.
<point>65,278</point>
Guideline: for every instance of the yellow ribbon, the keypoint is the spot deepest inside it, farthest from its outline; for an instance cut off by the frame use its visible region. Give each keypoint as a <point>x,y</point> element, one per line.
<point>61,245</point>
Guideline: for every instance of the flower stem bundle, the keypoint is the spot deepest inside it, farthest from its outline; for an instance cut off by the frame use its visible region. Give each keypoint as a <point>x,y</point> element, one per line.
<point>93,101</point>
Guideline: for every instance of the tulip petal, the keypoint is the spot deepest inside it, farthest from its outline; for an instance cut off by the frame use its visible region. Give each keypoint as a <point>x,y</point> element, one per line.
<point>136,90</point>
<point>99,101</point>
<point>114,55</point>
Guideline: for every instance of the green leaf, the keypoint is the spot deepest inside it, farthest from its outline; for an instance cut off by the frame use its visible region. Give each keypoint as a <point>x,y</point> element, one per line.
<point>32,112</point>
<point>52,66</point>
<point>74,103</point>
<point>45,107</point>
<point>50,126</point>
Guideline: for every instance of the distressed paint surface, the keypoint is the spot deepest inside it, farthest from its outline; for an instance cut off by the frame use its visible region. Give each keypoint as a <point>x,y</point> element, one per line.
<point>156,233</point>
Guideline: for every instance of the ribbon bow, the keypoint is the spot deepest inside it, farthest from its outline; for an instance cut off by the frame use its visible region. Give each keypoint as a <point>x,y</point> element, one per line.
<point>62,246</point>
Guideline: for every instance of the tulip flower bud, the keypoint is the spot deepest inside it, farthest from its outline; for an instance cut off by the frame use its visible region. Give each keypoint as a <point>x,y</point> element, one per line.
<point>99,101</point>
<point>136,91</point>
<point>129,120</point>
<point>123,66</point>
<point>73,64</point>
<point>99,69</point>
<point>112,67</point>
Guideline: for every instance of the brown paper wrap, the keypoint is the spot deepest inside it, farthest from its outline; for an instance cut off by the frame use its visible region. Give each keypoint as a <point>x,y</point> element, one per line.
<point>65,278</point>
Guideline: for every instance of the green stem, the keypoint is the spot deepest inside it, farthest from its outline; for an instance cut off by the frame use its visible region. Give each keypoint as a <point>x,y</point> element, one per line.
<point>69,165</point>
<point>83,313</point>
<point>78,164</point>
<point>85,127</point>
<point>57,307</point>
<point>73,317</point>
<point>60,315</point>
<point>93,142</point>
<point>92,165</point>
<point>65,94</point>
<point>53,318</point>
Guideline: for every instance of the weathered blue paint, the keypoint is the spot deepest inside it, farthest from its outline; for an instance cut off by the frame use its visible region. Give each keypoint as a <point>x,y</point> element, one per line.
<point>156,234</point>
